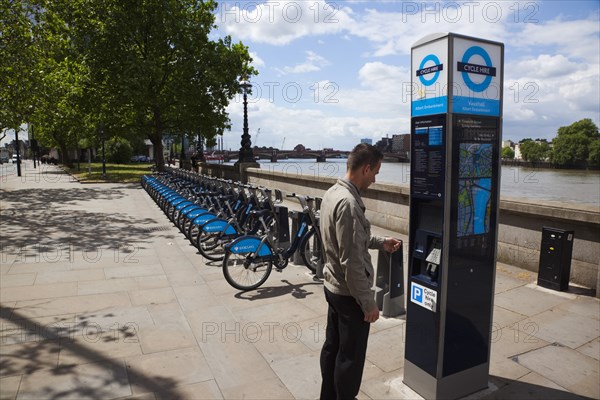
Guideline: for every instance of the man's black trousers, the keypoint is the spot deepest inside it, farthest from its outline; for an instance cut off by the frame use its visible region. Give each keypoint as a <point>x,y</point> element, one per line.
<point>345,347</point>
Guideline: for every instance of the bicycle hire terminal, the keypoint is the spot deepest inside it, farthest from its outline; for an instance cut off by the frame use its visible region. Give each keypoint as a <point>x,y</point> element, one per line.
<point>456,133</point>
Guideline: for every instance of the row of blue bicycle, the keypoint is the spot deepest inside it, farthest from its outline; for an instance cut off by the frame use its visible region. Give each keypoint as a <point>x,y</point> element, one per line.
<point>245,227</point>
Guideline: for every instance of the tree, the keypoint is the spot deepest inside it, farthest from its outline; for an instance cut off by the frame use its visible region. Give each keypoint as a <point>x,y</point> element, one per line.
<point>571,149</point>
<point>17,59</point>
<point>60,113</point>
<point>594,155</point>
<point>155,65</point>
<point>118,150</point>
<point>508,153</point>
<point>534,151</point>
<point>573,144</point>
<point>585,126</point>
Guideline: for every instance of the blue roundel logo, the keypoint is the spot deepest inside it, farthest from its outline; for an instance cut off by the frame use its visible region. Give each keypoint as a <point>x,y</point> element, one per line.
<point>436,61</point>
<point>477,51</point>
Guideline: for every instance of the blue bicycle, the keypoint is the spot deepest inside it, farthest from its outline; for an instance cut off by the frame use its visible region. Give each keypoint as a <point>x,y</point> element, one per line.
<point>249,259</point>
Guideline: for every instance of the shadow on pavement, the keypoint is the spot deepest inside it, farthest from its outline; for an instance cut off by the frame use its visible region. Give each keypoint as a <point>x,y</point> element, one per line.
<point>36,219</point>
<point>296,290</point>
<point>524,390</point>
<point>81,386</point>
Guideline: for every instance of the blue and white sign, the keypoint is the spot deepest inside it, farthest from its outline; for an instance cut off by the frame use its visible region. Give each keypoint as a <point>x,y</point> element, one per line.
<point>423,296</point>
<point>429,88</point>
<point>477,87</point>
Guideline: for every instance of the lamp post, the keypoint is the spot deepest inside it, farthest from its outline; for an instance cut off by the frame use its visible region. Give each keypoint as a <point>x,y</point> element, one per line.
<point>246,154</point>
<point>18,155</point>
<point>103,156</point>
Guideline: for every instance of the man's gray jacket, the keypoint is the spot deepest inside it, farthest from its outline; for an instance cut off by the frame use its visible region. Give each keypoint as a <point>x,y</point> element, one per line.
<point>346,238</point>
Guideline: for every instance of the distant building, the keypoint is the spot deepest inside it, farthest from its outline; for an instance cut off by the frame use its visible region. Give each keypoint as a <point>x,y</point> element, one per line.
<point>384,145</point>
<point>367,141</point>
<point>401,143</point>
<point>517,149</point>
<point>508,143</point>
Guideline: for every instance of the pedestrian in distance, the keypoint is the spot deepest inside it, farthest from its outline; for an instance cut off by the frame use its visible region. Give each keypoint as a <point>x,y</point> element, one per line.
<point>348,275</point>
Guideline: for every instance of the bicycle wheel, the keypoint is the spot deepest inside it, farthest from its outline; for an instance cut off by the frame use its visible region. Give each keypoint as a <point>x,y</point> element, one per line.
<point>311,251</point>
<point>245,273</point>
<point>210,246</point>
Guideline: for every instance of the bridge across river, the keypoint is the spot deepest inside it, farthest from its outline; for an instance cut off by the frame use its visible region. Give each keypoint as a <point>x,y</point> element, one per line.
<point>319,155</point>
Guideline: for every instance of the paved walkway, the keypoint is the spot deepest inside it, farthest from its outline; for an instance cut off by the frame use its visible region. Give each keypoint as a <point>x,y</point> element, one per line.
<point>102,298</point>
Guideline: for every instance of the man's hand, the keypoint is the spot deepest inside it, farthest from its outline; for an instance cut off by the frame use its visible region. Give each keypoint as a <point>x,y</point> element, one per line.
<point>372,315</point>
<point>391,244</point>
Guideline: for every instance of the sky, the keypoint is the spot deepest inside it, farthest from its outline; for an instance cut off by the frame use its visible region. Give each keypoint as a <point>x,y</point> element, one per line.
<point>332,73</point>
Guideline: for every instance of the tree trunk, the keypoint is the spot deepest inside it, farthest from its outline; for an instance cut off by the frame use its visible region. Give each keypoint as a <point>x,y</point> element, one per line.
<point>156,139</point>
<point>64,152</point>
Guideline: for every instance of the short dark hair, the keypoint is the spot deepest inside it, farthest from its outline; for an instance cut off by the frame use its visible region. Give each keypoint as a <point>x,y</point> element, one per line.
<point>363,154</point>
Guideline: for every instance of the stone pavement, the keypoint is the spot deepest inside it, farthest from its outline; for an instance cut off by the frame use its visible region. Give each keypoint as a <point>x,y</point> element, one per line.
<point>102,298</point>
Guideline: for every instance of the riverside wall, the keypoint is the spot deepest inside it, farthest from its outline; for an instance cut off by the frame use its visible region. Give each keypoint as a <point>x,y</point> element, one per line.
<point>520,223</point>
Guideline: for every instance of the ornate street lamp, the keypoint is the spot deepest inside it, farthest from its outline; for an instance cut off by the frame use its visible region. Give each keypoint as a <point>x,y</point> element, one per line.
<point>246,154</point>
<point>103,153</point>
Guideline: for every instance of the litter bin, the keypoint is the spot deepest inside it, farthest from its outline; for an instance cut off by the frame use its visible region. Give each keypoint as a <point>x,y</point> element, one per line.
<point>389,283</point>
<point>555,258</point>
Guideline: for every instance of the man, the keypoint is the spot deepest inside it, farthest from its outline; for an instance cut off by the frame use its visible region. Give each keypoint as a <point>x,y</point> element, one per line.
<point>348,274</point>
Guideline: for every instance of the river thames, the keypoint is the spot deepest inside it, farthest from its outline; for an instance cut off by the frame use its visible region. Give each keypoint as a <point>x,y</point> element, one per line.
<point>567,186</point>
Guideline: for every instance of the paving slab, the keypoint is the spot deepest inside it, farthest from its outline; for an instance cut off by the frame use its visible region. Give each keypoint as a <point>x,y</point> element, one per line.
<point>102,345</point>
<point>503,318</point>
<point>206,390</point>
<point>564,327</point>
<point>301,375</point>
<point>527,300</point>
<point>76,304</point>
<point>591,349</point>
<point>533,386</point>
<point>164,372</point>
<point>106,380</point>
<point>9,387</point>
<point>19,293</point>
<point>568,368</point>
<point>131,310</point>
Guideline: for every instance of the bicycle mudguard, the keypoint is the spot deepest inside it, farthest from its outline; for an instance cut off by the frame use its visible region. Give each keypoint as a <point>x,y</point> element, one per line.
<point>218,225</point>
<point>203,218</point>
<point>183,205</point>
<point>177,200</point>
<point>194,212</point>
<point>248,244</point>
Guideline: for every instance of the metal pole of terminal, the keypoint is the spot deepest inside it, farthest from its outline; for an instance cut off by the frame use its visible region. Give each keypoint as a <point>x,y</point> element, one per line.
<point>18,155</point>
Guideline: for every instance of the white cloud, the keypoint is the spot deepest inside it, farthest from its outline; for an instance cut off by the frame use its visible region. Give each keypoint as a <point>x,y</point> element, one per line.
<point>545,66</point>
<point>384,91</point>
<point>313,62</point>
<point>552,67</point>
<point>256,60</point>
<point>573,39</point>
<point>279,22</point>
<point>312,128</point>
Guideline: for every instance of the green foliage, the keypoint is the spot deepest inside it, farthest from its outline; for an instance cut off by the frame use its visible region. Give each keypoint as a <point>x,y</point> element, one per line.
<point>534,151</point>
<point>155,65</point>
<point>574,144</point>
<point>594,154</point>
<point>585,126</point>
<point>118,150</point>
<point>508,153</point>
<point>139,68</point>
<point>17,60</point>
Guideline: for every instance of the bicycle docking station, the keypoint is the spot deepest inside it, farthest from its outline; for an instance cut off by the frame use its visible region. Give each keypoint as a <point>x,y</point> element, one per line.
<point>283,225</point>
<point>297,217</point>
<point>389,283</point>
<point>456,133</point>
